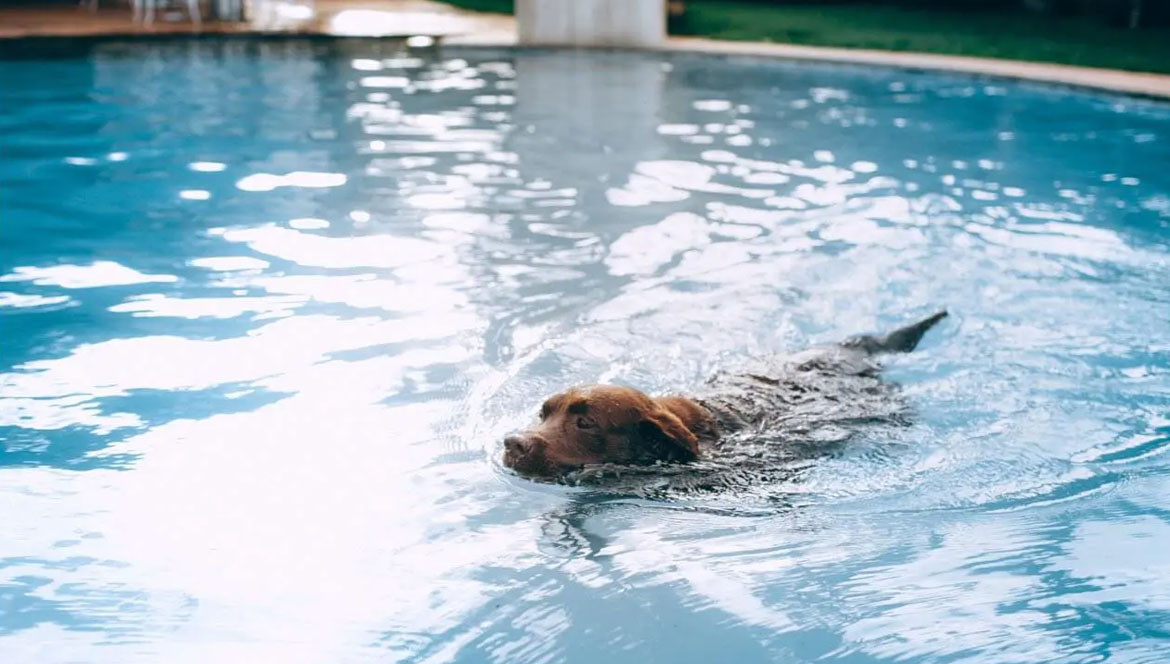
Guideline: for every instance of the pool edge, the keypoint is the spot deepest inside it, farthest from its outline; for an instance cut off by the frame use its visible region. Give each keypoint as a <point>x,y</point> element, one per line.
<point>1137,84</point>
<point>1143,84</point>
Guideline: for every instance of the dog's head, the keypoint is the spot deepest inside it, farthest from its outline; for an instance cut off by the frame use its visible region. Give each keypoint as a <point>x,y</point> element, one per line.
<point>604,424</point>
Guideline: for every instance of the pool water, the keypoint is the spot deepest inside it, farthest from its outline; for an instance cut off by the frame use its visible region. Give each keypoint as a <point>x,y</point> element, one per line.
<point>269,308</point>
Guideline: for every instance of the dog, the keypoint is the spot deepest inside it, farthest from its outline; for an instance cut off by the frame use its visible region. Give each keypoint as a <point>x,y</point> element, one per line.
<point>819,389</point>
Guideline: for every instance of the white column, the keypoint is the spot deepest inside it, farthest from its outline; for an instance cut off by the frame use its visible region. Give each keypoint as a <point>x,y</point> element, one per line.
<point>591,22</point>
<point>227,10</point>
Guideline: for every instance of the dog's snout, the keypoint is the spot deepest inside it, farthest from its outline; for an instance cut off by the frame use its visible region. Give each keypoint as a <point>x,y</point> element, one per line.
<point>517,445</point>
<point>527,453</point>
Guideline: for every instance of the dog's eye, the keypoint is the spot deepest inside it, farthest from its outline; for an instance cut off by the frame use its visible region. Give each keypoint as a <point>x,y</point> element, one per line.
<point>584,423</point>
<point>544,411</point>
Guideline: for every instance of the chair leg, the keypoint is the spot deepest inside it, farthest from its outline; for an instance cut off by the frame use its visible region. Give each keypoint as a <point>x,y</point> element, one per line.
<point>193,10</point>
<point>149,20</point>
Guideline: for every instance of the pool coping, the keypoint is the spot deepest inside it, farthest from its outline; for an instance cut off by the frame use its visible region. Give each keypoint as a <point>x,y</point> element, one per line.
<point>1139,84</point>
<point>1142,84</point>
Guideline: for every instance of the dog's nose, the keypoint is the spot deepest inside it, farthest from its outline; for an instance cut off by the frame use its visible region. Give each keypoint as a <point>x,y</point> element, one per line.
<point>517,445</point>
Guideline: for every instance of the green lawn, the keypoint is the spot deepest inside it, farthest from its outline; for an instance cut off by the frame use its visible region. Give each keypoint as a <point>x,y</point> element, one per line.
<point>1014,35</point>
<point>497,6</point>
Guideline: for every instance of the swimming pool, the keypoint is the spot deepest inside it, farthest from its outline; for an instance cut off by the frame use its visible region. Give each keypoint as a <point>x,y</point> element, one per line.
<point>269,307</point>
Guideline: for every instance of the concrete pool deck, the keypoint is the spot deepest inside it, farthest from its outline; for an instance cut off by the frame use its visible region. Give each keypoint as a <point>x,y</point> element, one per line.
<point>457,27</point>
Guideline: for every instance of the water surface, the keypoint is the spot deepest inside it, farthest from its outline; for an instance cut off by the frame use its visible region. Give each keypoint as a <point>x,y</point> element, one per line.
<point>268,309</point>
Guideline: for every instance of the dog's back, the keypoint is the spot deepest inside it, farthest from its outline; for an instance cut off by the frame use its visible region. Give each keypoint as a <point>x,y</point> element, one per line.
<point>824,386</point>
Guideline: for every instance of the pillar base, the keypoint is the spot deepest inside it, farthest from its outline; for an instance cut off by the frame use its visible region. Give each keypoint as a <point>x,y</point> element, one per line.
<point>632,23</point>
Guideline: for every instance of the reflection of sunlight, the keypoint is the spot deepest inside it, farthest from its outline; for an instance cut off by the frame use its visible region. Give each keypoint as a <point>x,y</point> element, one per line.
<point>308,223</point>
<point>46,414</point>
<point>1057,238</point>
<point>721,586</point>
<point>268,181</point>
<point>667,181</point>
<point>316,250</point>
<point>110,367</point>
<point>207,307</point>
<point>712,105</point>
<point>1121,573</point>
<point>21,301</point>
<point>928,585</point>
<point>117,367</point>
<point>856,229</point>
<point>471,223</point>
<point>220,511</point>
<point>825,173</point>
<point>444,201</point>
<point>642,190</point>
<point>384,82</point>
<point>365,64</point>
<point>100,273</point>
<point>229,263</point>
<point>647,248</point>
<point>365,292</point>
<point>217,511</point>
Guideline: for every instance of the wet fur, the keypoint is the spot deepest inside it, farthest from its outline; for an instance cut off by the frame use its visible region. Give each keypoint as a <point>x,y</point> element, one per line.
<point>818,395</point>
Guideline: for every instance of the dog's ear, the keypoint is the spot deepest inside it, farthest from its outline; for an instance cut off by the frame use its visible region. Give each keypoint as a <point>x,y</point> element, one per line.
<point>661,436</point>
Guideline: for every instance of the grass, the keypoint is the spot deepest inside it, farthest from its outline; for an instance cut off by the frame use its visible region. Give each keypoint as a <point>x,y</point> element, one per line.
<point>496,6</point>
<point>993,34</point>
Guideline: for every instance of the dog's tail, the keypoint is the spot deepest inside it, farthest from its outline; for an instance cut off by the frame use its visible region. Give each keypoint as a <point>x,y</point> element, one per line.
<point>901,340</point>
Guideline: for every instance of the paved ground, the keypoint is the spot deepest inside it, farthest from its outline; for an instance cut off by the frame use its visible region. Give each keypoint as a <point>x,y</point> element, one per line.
<point>404,18</point>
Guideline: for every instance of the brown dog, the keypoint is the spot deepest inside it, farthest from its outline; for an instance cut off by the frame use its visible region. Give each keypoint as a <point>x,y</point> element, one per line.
<point>606,424</point>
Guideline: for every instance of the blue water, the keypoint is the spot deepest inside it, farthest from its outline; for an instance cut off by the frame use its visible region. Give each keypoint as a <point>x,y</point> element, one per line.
<point>269,307</point>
